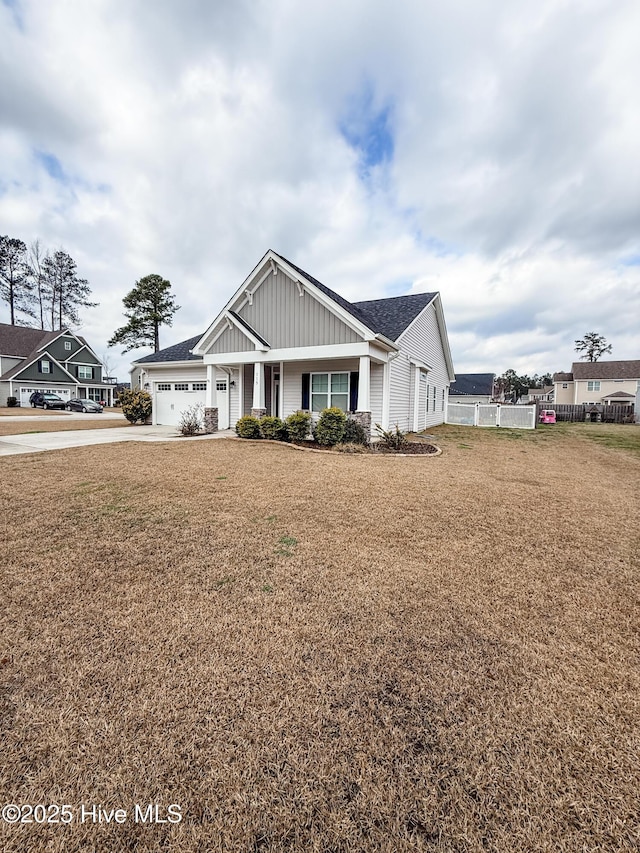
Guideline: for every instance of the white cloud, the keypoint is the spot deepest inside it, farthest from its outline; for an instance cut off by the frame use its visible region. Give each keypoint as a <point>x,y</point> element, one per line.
<point>194,137</point>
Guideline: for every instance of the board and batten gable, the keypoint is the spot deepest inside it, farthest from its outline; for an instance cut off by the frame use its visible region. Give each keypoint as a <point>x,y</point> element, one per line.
<point>231,340</point>
<point>285,318</point>
<point>422,340</point>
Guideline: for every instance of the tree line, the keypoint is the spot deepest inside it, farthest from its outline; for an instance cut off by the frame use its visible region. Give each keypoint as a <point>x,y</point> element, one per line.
<point>40,287</point>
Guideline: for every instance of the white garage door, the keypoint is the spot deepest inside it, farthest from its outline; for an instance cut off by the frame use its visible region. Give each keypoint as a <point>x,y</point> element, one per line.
<point>25,393</point>
<point>173,398</point>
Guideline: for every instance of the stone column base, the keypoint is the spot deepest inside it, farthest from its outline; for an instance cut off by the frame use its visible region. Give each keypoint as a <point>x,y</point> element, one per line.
<point>364,419</point>
<point>211,420</point>
<point>258,413</point>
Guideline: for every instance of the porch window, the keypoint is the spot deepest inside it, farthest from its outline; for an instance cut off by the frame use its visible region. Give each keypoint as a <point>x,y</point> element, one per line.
<point>329,389</point>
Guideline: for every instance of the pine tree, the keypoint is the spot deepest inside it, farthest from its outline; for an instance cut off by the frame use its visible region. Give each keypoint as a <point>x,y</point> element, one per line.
<point>16,287</point>
<point>65,291</point>
<point>150,304</point>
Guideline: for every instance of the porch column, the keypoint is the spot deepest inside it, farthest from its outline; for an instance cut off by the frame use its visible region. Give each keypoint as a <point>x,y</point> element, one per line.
<point>281,393</point>
<point>363,409</point>
<point>211,401</point>
<point>258,408</point>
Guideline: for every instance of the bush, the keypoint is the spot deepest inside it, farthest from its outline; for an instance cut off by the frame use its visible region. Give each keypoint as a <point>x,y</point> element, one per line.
<point>12,402</point>
<point>298,426</point>
<point>355,433</point>
<point>192,420</point>
<point>248,427</point>
<point>392,439</point>
<point>331,427</point>
<point>273,428</point>
<point>136,405</point>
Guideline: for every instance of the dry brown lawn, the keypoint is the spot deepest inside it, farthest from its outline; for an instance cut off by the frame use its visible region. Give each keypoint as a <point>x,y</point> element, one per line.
<point>46,423</point>
<point>316,652</point>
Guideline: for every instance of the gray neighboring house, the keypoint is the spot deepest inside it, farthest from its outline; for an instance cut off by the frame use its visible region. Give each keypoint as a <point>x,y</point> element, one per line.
<point>472,388</point>
<point>285,342</point>
<point>60,362</point>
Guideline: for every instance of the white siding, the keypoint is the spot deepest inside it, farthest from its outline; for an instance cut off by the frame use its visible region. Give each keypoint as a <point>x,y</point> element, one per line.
<point>377,373</point>
<point>422,341</point>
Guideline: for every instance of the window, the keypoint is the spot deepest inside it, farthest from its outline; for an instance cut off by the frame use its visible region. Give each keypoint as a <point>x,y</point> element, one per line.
<point>67,345</point>
<point>565,385</point>
<point>593,385</point>
<point>199,386</point>
<point>85,372</point>
<point>329,389</point>
<point>164,386</point>
<point>181,386</point>
<point>45,366</point>
<point>221,386</point>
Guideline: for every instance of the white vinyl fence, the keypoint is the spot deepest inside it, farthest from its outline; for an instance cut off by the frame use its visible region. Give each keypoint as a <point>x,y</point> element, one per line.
<point>491,415</point>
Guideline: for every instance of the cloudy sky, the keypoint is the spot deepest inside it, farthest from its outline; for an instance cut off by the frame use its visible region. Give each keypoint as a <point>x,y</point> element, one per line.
<point>489,150</point>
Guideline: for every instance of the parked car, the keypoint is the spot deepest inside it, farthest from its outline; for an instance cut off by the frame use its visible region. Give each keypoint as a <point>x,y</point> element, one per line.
<point>47,401</point>
<point>79,404</point>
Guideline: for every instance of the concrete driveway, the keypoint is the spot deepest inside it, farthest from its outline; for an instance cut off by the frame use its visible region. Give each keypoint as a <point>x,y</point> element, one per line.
<point>14,444</point>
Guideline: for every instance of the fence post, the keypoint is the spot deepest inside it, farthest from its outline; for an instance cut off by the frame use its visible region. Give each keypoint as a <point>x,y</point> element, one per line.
<point>476,415</point>
<point>498,415</point>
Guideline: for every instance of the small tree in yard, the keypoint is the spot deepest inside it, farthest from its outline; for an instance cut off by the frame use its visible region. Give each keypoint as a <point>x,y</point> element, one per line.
<point>136,405</point>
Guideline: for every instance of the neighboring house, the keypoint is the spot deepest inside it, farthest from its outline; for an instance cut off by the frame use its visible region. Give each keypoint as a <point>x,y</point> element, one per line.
<point>60,362</point>
<point>285,341</point>
<point>598,382</point>
<point>539,395</point>
<point>472,388</point>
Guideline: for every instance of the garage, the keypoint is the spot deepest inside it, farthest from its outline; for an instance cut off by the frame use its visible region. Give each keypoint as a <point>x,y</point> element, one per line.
<point>25,393</point>
<point>173,398</point>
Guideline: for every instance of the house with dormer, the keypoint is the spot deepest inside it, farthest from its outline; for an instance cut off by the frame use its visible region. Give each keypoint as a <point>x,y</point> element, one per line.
<point>286,342</point>
<point>59,362</point>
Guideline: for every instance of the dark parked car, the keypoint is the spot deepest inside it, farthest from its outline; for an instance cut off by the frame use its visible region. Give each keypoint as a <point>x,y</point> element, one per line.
<point>47,401</point>
<point>77,404</point>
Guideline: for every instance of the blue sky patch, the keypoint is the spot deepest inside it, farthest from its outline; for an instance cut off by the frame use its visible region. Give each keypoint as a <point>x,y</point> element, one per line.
<point>631,261</point>
<point>367,127</point>
<point>52,166</point>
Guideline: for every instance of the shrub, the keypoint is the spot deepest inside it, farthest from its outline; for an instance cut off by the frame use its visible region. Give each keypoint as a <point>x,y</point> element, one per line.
<point>354,433</point>
<point>331,426</point>
<point>136,405</point>
<point>192,420</point>
<point>298,426</point>
<point>12,402</point>
<point>273,428</point>
<point>248,427</point>
<point>392,439</point>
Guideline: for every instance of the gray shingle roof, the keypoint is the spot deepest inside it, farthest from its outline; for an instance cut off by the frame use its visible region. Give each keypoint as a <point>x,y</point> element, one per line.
<point>22,340</point>
<point>472,383</point>
<point>177,352</point>
<point>393,315</point>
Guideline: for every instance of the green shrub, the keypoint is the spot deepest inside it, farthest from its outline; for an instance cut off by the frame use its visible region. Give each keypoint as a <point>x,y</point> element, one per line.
<point>192,420</point>
<point>12,402</point>
<point>273,428</point>
<point>392,439</point>
<point>355,433</point>
<point>136,405</point>
<point>331,426</point>
<point>248,427</point>
<point>298,426</point>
